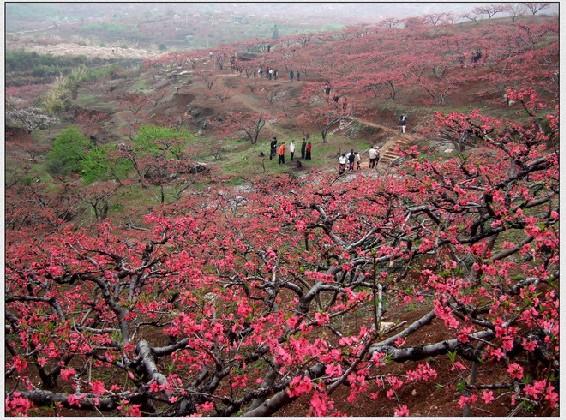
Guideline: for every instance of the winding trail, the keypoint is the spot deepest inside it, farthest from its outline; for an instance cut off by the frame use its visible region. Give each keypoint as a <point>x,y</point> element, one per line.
<point>396,140</point>
<point>388,155</point>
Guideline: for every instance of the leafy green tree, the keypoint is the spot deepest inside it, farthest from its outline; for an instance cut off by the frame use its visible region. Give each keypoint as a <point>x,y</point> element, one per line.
<point>161,141</point>
<point>95,165</point>
<point>69,149</point>
<point>101,164</point>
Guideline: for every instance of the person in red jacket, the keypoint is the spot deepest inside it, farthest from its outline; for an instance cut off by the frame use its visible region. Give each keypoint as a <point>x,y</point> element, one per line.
<point>308,150</point>
<point>281,153</point>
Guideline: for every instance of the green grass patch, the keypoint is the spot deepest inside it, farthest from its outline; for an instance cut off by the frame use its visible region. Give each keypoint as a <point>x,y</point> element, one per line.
<point>240,158</point>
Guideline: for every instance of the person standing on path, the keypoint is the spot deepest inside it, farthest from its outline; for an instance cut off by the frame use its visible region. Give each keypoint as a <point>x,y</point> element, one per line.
<point>342,164</point>
<point>303,148</point>
<point>358,161</point>
<point>292,149</point>
<point>291,75</point>
<point>281,153</point>
<point>372,153</point>
<point>308,150</point>
<point>403,122</point>
<point>351,158</point>
<point>273,148</point>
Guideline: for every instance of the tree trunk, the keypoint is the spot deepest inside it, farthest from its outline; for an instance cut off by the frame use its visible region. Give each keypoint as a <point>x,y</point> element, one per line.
<point>324,133</point>
<point>392,90</point>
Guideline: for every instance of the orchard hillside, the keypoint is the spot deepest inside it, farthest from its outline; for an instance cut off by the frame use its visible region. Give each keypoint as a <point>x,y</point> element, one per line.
<point>160,262</point>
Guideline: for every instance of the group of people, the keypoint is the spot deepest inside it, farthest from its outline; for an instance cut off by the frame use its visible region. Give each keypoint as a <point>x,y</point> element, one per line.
<point>294,75</point>
<point>280,150</point>
<point>353,160</point>
<point>475,58</point>
<point>268,72</point>
<point>273,74</point>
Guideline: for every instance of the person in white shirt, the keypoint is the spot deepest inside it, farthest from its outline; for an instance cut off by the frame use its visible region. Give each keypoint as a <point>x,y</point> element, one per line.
<point>372,153</point>
<point>403,122</point>
<point>342,164</point>
<point>292,149</point>
<point>358,161</point>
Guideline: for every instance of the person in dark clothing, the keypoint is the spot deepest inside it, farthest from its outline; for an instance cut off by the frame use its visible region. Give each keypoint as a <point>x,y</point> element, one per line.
<point>298,76</point>
<point>327,90</point>
<point>476,56</point>
<point>291,75</point>
<point>351,160</point>
<point>308,150</point>
<point>273,148</point>
<point>303,148</point>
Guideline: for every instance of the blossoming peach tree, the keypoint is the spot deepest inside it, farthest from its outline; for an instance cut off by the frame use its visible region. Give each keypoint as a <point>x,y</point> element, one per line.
<point>241,303</point>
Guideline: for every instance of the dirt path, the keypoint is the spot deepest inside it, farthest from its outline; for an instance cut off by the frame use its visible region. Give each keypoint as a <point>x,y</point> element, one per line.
<point>372,124</point>
<point>397,139</point>
<point>394,138</point>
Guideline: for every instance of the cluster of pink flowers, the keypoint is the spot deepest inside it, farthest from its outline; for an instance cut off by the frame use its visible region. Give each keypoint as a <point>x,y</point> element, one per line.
<point>467,400</point>
<point>401,411</point>
<point>17,405</point>
<point>320,404</point>
<point>67,374</point>
<point>423,372</point>
<point>515,371</point>
<point>538,388</point>
<point>299,385</point>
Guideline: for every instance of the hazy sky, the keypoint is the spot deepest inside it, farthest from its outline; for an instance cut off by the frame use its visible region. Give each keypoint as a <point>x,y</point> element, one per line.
<point>334,11</point>
<point>22,17</point>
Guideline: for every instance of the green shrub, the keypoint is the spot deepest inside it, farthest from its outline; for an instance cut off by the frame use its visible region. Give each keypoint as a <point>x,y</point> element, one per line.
<point>151,139</point>
<point>98,165</point>
<point>95,165</point>
<point>69,149</point>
